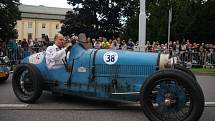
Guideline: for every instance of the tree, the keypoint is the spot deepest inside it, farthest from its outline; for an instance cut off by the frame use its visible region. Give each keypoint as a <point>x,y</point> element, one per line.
<point>97,17</point>
<point>203,27</point>
<point>192,19</point>
<point>9,12</point>
<point>186,16</point>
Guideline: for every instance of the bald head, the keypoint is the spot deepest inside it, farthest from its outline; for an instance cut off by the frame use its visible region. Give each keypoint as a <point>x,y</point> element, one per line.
<point>59,40</point>
<point>57,35</point>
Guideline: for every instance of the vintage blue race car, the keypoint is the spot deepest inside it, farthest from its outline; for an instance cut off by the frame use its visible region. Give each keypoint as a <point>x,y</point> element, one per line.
<point>165,91</point>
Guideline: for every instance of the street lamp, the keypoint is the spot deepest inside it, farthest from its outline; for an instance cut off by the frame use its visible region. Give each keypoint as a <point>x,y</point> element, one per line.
<point>142,27</point>
<point>169,25</point>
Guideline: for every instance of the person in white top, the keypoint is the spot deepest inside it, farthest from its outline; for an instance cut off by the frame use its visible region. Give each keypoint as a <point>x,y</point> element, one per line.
<point>55,54</point>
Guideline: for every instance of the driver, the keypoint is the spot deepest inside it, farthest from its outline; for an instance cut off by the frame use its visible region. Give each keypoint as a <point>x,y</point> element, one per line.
<point>56,54</point>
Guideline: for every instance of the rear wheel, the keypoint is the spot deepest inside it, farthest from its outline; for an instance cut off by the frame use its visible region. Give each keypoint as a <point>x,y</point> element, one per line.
<point>172,95</point>
<point>27,83</point>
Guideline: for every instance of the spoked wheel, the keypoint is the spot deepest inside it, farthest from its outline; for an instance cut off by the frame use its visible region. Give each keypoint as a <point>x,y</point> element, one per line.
<point>27,83</point>
<point>172,95</point>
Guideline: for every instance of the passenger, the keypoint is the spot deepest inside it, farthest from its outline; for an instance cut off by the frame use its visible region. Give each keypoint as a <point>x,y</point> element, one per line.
<point>55,54</point>
<point>84,41</point>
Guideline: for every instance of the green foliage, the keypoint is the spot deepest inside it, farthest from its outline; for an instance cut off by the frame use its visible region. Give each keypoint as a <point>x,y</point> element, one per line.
<point>97,17</point>
<point>203,26</point>
<point>9,14</point>
<point>192,19</point>
<point>204,70</point>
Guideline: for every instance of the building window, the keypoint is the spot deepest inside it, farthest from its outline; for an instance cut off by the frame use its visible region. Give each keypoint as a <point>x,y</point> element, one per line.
<point>43,25</point>
<point>30,24</point>
<point>57,26</point>
<point>43,35</point>
<point>29,35</point>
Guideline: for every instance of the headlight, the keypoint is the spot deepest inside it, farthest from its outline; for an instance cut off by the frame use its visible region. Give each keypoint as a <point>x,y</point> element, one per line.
<point>6,59</point>
<point>164,59</point>
<point>166,62</point>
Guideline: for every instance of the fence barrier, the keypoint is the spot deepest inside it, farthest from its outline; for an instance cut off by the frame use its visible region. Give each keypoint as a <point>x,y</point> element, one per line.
<point>200,59</point>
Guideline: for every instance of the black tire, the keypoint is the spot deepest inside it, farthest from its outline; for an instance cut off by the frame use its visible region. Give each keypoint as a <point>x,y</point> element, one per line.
<point>27,83</point>
<point>184,69</point>
<point>172,95</point>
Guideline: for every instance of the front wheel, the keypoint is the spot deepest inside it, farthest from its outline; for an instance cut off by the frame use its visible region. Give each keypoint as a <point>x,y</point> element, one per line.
<point>27,83</point>
<point>172,95</point>
<point>184,69</point>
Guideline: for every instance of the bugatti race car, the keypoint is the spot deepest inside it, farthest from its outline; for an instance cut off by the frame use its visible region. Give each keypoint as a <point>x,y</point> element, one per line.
<point>166,91</point>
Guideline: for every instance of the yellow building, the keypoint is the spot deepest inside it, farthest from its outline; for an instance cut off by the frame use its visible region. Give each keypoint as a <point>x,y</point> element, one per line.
<point>39,21</point>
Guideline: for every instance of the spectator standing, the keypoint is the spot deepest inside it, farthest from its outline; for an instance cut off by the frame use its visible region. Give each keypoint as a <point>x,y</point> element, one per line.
<point>97,44</point>
<point>105,44</point>
<point>177,47</point>
<point>119,43</point>
<point>19,43</point>
<point>123,45</point>
<point>110,41</point>
<point>36,46</point>
<point>47,42</point>
<point>130,44</point>
<point>31,45</point>
<point>114,45</point>
<point>24,44</point>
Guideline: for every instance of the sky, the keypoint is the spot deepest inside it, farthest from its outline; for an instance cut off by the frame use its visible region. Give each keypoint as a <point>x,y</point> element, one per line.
<point>49,3</point>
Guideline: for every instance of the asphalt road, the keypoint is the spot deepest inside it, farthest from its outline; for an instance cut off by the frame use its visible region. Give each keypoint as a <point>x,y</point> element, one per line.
<point>73,108</point>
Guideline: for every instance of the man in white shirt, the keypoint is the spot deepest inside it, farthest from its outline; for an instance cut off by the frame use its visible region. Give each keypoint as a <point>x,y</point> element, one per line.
<point>55,54</point>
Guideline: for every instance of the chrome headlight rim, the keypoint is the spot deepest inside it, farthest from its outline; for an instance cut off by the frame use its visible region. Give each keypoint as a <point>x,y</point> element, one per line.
<point>164,59</point>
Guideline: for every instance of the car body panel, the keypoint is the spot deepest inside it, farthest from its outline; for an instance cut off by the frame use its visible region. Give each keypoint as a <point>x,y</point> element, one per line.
<point>100,73</point>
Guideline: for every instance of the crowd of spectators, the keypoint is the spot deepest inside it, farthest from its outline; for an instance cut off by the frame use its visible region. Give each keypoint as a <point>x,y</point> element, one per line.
<point>185,48</point>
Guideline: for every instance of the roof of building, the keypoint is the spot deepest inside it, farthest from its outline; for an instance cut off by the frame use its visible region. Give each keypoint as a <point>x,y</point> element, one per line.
<point>43,12</point>
<point>43,9</point>
<point>43,16</point>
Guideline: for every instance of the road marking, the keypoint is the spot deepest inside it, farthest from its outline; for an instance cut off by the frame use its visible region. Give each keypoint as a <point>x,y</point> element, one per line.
<point>13,105</point>
<point>209,103</point>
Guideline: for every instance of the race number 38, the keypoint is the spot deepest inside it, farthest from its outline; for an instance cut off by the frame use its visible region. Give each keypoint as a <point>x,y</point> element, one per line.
<point>110,57</point>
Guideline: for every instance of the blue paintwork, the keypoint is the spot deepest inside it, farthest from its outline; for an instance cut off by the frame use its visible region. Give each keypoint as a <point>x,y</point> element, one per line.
<point>130,71</point>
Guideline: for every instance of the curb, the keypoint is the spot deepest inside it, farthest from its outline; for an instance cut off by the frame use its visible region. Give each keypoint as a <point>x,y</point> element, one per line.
<point>204,74</point>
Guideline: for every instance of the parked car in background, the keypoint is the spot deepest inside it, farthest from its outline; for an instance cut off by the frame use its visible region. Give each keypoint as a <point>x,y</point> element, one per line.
<point>4,68</point>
